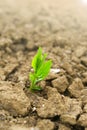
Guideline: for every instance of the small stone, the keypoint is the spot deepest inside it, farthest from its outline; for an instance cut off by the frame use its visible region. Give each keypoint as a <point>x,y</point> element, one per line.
<point>61,83</point>
<point>53,75</point>
<point>83,120</point>
<point>34,109</point>
<point>55,71</point>
<point>76,87</point>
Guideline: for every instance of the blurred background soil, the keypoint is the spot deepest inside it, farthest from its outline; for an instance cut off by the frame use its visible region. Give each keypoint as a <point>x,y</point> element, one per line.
<point>65,18</point>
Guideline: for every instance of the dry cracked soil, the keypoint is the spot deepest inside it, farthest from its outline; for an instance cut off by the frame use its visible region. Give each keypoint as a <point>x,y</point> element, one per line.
<point>60,28</point>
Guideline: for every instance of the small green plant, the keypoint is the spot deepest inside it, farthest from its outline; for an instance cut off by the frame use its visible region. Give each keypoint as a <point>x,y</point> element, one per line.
<point>41,68</point>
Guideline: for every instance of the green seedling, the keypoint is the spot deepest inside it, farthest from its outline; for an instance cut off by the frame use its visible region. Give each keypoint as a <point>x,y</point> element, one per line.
<point>41,68</point>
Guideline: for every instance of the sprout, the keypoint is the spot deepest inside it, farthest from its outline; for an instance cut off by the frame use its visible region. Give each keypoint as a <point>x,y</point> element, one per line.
<point>41,68</point>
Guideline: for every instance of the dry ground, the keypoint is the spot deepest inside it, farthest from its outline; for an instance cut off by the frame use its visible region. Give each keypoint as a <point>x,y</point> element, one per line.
<point>60,28</point>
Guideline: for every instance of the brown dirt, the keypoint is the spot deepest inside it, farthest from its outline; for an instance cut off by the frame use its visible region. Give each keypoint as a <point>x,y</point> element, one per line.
<point>60,28</point>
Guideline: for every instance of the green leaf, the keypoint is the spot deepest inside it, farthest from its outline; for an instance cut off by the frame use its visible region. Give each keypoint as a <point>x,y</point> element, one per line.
<point>41,69</point>
<point>37,60</point>
<point>44,69</point>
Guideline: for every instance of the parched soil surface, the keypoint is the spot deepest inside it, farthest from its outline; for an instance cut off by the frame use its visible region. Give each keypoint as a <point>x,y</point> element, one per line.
<point>60,28</point>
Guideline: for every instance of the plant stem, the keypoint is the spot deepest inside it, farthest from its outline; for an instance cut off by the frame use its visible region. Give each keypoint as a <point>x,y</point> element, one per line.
<point>33,83</point>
